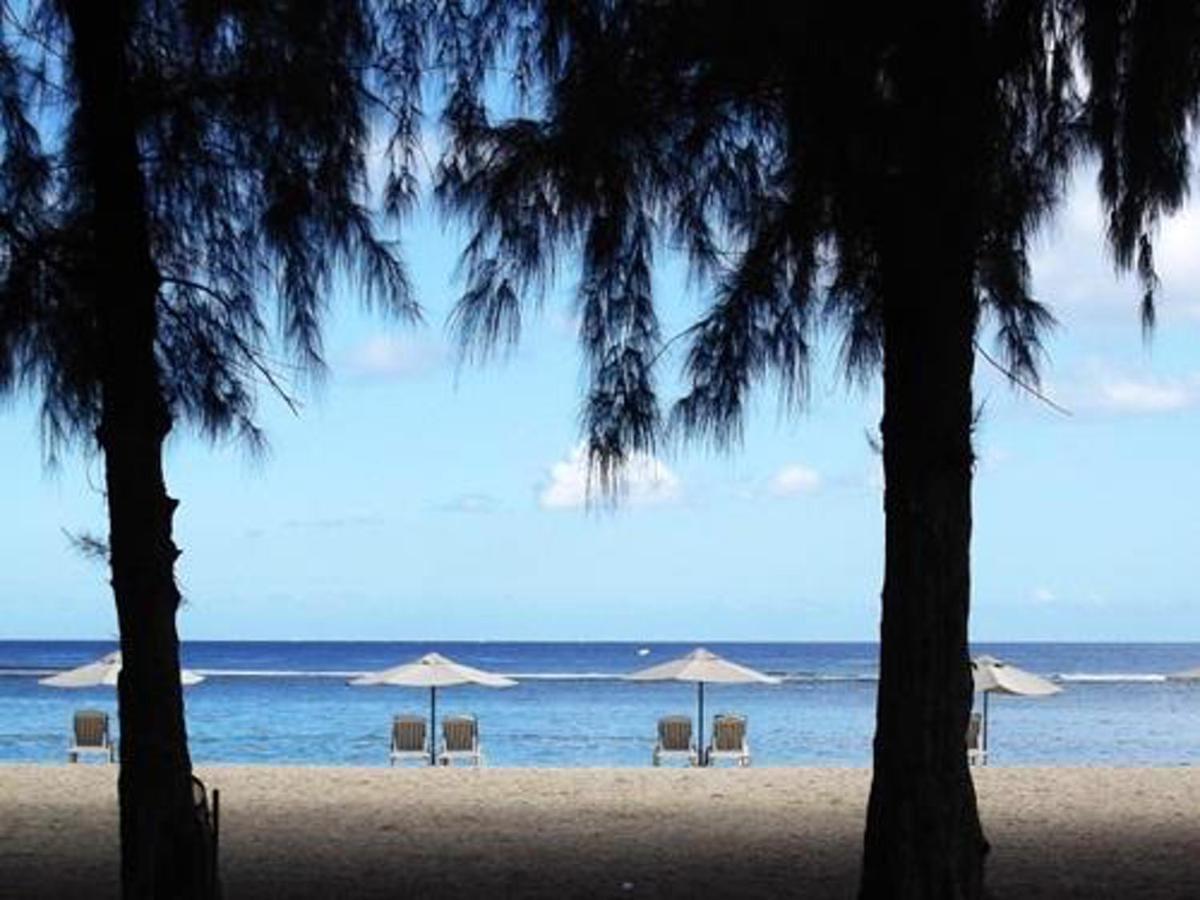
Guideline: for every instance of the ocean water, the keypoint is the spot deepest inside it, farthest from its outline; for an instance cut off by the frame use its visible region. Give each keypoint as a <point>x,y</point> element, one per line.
<point>288,702</point>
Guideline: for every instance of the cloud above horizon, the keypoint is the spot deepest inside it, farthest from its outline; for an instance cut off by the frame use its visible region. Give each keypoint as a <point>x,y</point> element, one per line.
<point>1102,389</point>
<point>1042,594</point>
<point>361,520</point>
<point>395,356</point>
<point>1073,269</point>
<point>1141,397</point>
<point>646,481</point>
<point>794,479</point>
<point>474,504</point>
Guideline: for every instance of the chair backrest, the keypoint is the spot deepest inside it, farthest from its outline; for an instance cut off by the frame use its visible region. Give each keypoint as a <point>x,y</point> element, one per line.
<point>408,733</point>
<point>729,732</point>
<point>91,728</point>
<point>973,727</point>
<point>675,733</point>
<point>461,733</point>
<point>207,850</point>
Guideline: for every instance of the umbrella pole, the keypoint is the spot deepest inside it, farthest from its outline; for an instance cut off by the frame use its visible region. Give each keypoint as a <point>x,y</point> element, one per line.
<point>700,732</point>
<point>433,725</point>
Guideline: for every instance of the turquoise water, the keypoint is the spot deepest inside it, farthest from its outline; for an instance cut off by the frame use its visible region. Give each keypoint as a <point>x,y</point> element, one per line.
<point>288,702</point>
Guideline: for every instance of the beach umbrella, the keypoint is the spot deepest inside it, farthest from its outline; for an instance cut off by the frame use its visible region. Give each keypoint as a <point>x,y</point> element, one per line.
<point>993,676</point>
<point>432,671</point>
<point>104,671</point>
<point>703,667</point>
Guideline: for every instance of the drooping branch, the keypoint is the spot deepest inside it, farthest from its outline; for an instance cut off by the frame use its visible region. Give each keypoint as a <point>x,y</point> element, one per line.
<point>244,350</point>
<point>1015,379</point>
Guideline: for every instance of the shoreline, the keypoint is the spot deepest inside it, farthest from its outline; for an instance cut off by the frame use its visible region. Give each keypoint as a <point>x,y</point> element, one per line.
<point>404,770</point>
<point>307,832</point>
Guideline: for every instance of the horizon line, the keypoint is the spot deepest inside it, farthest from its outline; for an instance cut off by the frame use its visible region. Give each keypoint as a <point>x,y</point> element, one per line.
<point>629,641</point>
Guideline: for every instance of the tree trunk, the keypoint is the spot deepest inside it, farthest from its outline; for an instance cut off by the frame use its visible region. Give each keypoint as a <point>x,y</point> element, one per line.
<point>160,838</point>
<point>923,835</point>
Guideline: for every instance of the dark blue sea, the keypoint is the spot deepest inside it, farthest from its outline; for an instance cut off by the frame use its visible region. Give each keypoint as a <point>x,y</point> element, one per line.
<point>288,702</point>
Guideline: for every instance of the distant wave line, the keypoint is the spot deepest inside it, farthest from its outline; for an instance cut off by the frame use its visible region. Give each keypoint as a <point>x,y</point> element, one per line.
<point>802,677</point>
<point>520,676</point>
<point>276,673</point>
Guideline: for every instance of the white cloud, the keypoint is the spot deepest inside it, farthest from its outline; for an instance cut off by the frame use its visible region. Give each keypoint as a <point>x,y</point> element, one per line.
<point>647,481</point>
<point>1073,268</point>
<point>1135,396</point>
<point>1043,594</point>
<point>481,504</point>
<point>1100,388</point>
<point>389,356</point>
<point>1175,249</point>
<point>794,479</point>
<point>364,520</point>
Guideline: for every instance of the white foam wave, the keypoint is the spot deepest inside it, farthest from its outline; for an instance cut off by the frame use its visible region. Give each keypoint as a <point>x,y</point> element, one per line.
<point>329,673</point>
<point>1110,677</point>
<point>566,676</point>
<point>275,673</point>
<point>788,677</point>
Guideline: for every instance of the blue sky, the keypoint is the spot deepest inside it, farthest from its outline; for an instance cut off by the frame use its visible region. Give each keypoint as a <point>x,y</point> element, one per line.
<point>414,499</point>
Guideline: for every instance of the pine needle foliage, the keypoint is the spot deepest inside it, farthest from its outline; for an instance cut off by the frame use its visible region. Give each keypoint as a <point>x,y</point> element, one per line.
<point>257,127</point>
<point>762,141</point>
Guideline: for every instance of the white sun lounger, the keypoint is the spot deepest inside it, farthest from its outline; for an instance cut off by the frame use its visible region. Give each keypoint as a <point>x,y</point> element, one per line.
<point>409,740</point>
<point>675,741</point>
<point>91,735</point>
<point>729,740</point>
<point>976,751</point>
<point>460,741</point>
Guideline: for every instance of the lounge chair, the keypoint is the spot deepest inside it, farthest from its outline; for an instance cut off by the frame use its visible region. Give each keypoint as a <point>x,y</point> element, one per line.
<point>90,728</point>
<point>409,740</point>
<point>729,740</point>
<point>209,821</point>
<point>460,740</point>
<point>675,740</point>
<point>976,750</point>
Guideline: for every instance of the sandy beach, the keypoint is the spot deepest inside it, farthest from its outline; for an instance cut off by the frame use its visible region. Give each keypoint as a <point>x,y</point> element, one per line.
<point>293,832</point>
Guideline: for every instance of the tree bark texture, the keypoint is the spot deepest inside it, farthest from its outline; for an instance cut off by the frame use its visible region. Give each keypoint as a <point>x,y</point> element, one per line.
<point>923,835</point>
<point>160,837</point>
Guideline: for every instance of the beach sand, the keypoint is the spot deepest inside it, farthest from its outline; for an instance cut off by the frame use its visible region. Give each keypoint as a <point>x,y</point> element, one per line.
<point>292,832</point>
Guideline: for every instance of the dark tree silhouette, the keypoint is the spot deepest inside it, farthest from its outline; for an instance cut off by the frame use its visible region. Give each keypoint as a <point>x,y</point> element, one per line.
<point>167,171</point>
<point>880,168</point>
<point>167,168</point>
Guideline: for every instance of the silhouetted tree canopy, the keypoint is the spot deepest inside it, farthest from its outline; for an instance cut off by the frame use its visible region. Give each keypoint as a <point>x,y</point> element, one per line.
<point>874,170</point>
<point>763,142</point>
<point>257,127</point>
<point>799,154</point>
<point>168,173</point>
